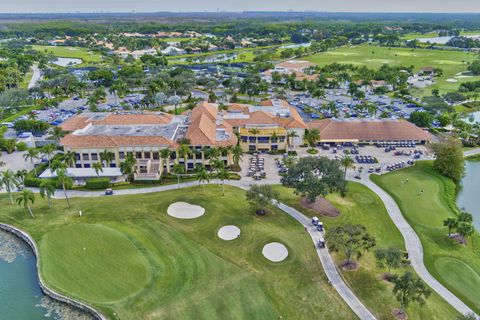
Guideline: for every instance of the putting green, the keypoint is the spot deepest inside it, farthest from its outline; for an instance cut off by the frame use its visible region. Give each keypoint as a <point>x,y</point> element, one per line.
<point>406,54</point>
<point>461,276</point>
<point>78,259</point>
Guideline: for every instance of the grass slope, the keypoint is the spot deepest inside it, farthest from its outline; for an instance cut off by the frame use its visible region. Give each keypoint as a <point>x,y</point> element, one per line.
<point>71,52</point>
<point>362,206</point>
<point>140,263</point>
<point>451,62</point>
<point>454,265</point>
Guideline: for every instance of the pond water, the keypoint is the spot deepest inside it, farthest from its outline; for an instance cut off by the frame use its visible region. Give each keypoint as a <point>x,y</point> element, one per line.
<point>294,46</point>
<point>20,294</point>
<point>468,197</point>
<point>472,117</point>
<point>65,62</point>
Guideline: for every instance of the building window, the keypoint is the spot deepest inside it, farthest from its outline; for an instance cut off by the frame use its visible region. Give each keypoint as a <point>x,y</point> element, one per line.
<point>263,139</point>
<point>121,155</point>
<point>86,165</point>
<point>85,156</point>
<point>282,139</point>
<point>244,139</point>
<point>77,156</point>
<point>78,165</point>
<point>155,156</point>
<point>94,156</point>
<point>251,139</point>
<point>252,148</point>
<point>146,155</point>
<point>138,155</point>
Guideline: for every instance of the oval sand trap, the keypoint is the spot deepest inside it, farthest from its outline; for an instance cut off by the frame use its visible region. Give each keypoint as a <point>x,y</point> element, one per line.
<point>229,232</point>
<point>275,251</point>
<point>184,210</point>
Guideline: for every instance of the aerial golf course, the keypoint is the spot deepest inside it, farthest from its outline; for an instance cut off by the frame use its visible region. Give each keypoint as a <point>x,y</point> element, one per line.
<point>130,259</point>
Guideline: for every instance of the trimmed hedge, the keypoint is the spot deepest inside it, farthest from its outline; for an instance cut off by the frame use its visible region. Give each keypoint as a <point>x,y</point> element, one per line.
<point>98,183</point>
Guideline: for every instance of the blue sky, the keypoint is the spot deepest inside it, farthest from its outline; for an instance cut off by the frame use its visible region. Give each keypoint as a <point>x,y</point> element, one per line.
<point>240,5</point>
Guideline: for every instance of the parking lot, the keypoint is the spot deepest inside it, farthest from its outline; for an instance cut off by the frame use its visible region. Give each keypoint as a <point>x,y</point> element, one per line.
<point>346,106</point>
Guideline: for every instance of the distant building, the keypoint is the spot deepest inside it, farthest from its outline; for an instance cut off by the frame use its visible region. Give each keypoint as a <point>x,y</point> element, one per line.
<point>173,51</point>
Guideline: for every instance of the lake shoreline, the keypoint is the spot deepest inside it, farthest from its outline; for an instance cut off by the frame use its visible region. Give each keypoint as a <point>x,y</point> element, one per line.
<point>25,237</point>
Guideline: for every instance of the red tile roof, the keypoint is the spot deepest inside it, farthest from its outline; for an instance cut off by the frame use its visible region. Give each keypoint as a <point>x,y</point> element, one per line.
<point>368,130</point>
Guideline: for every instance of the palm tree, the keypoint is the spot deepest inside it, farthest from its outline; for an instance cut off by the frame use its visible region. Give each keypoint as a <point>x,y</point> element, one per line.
<point>47,190</point>
<point>26,197</point>
<point>57,133</point>
<point>107,156</point>
<point>165,156</point>
<point>70,158</point>
<point>223,175</point>
<point>237,155</point>
<point>290,136</point>
<point>178,169</point>
<point>347,163</point>
<point>218,165</point>
<point>255,131</point>
<point>48,150</point>
<point>30,155</point>
<point>312,137</point>
<point>9,181</point>
<point>65,180</point>
<point>184,152</point>
<point>20,175</point>
<point>127,166</point>
<point>201,175</point>
<point>97,166</point>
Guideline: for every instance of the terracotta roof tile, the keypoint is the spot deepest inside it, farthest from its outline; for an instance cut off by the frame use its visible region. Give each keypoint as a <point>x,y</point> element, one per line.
<point>388,130</point>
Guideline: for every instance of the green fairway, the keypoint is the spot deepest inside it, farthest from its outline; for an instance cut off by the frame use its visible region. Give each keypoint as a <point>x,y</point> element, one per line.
<point>362,206</point>
<point>85,54</point>
<point>453,63</point>
<point>131,260</point>
<point>455,265</point>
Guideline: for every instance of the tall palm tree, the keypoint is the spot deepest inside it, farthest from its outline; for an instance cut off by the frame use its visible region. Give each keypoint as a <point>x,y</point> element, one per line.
<point>48,150</point>
<point>237,155</point>
<point>9,181</point>
<point>201,175</point>
<point>178,169</point>
<point>70,158</point>
<point>20,175</point>
<point>57,133</point>
<point>312,136</point>
<point>184,152</point>
<point>65,180</point>
<point>127,166</point>
<point>107,157</point>
<point>290,136</point>
<point>47,190</point>
<point>347,163</point>
<point>165,156</point>
<point>255,132</point>
<point>218,165</point>
<point>223,175</point>
<point>26,197</point>
<point>97,166</point>
<point>30,155</point>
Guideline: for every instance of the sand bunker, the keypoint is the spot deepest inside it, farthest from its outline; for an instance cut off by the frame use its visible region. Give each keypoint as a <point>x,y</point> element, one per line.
<point>183,210</point>
<point>275,251</point>
<point>229,232</point>
<point>452,80</point>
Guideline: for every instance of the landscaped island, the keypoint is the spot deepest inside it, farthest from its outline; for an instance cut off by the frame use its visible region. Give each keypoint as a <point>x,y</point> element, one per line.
<point>128,258</point>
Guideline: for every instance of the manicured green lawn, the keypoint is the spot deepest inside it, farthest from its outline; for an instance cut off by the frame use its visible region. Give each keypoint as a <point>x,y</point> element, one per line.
<point>362,206</point>
<point>455,266</point>
<point>127,257</point>
<point>71,52</point>
<point>451,62</point>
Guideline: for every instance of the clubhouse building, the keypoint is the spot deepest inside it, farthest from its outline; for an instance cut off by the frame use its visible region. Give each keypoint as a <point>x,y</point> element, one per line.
<point>271,126</point>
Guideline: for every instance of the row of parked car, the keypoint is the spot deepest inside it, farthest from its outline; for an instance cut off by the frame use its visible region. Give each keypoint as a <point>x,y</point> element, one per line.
<point>366,159</point>
<point>399,165</point>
